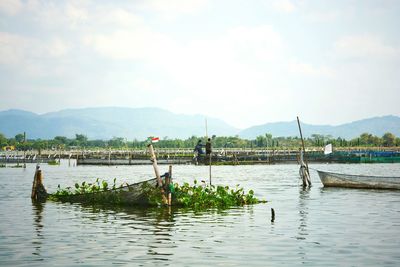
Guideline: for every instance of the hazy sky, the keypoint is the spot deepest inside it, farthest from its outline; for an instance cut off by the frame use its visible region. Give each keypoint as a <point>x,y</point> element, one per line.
<point>246,62</point>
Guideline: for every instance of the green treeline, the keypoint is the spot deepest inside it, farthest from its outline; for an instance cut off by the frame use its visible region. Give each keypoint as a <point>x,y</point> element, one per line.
<point>262,141</point>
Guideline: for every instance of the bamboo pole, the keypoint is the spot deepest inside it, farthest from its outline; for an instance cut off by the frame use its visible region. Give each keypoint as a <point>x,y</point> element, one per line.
<point>206,129</point>
<point>156,171</point>
<point>169,181</point>
<point>210,167</point>
<point>24,151</point>
<point>209,155</point>
<point>304,155</point>
<point>109,157</point>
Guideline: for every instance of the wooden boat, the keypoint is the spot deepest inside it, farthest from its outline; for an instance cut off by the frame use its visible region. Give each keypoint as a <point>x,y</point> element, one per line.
<point>331,179</point>
<point>132,194</point>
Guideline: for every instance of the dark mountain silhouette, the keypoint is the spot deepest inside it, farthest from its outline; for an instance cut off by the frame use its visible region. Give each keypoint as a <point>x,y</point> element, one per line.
<point>376,126</point>
<point>139,123</point>
<point>109,122</point>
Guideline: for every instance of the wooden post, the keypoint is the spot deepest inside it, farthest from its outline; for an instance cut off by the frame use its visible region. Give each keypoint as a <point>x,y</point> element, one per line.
<point>109,157</point>
<point>210,167</point>
<point>59,155</point>
<point>155,167</point>
<point>38,190</point>
<point>304,150</point>
<point>272,215</point>
<point>169,181</point>
<point>34,183</point>
<point>24,150</point>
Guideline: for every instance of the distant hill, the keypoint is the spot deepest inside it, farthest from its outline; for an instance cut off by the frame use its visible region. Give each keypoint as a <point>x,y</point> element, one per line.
<point>109,122</point>
<point>139,123</point>
<point>376,126</point>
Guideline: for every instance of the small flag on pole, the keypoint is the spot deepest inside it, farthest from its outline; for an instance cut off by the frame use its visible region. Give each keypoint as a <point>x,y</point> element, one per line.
<point>155,139</point>
<point>328,149</point>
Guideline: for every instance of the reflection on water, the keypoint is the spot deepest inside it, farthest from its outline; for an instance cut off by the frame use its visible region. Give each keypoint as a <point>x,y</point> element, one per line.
<point>304,195</point>
<point>37,209</point>
<point>149,228</point>
<point>313,226</point>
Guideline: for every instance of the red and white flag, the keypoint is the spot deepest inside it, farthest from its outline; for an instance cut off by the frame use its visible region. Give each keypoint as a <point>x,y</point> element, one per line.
<point>155,139</point>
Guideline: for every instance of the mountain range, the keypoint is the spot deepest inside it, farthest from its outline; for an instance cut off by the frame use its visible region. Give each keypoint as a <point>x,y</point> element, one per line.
<point>377,126</point>
<point>139,123</point>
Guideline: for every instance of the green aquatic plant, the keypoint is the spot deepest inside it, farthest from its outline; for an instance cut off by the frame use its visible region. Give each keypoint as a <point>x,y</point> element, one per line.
<point>95,193</point>
<point>190,196</point>
<point>203,196</point>
<point>85,188</point>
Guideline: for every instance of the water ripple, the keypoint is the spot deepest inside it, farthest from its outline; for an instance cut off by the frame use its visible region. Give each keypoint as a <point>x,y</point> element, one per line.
<point>316,227</point>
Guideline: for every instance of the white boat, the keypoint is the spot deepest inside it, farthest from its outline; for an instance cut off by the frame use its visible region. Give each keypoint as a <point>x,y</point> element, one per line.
<point>331,179</point>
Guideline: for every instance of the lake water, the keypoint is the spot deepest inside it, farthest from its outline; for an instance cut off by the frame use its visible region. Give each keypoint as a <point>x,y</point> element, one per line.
<point>315,227</point>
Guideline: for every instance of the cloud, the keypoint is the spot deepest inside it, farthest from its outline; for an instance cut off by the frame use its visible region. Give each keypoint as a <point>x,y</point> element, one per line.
<point>29,55</point>
<point>117,17</point>
<point>136,44</point>
<point>211,70</point>
<point>13,48</point>
<point>323,16</point>
<point>10,7</point>
<point>204,67</point>
<point>365,46</point>
<point>310,70</point>
<point>237,59</point>
<point>285,6</point>
<point>76,14</point>
<point>262,42</point>
<point>57,48</point>
<point>172,8</point>
<point>59,15</point>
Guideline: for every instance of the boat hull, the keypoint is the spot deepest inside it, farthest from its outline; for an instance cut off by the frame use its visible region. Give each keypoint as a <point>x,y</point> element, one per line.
<point>330,179</point>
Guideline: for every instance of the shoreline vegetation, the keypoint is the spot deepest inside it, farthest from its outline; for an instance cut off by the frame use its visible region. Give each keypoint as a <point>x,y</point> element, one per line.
<point>264,149</point>
<point>81,141</point>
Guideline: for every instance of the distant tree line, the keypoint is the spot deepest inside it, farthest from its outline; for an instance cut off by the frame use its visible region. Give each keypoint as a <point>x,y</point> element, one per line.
<point>262,141</point>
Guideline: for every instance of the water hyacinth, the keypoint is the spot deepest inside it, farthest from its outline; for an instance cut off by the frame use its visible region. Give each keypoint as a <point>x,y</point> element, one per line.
<point>192,196</point>
<point>85,187</point>
<point>205,196</point>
